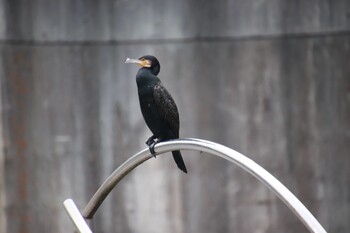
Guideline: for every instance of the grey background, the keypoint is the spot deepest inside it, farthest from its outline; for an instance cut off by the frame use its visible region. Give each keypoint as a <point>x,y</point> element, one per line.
<point>270,79</point>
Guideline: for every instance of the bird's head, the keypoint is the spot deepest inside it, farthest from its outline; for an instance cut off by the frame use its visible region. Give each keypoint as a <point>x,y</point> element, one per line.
<point>148,61</point>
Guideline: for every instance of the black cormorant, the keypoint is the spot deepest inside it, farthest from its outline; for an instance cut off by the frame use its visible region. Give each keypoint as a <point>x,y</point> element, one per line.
<point>157,106</point>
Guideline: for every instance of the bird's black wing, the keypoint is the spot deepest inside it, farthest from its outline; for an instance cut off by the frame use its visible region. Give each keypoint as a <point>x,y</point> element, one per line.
<point>167,108</point>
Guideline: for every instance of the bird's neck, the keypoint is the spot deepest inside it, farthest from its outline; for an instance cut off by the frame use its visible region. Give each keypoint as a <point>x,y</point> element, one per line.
<point>145,77</point>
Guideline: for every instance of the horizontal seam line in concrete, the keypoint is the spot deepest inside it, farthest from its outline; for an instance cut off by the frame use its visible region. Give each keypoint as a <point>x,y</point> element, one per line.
<point>172,40</point>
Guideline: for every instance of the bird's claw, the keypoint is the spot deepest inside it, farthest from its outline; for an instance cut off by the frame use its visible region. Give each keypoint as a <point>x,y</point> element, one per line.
<point>150,141</point>
<point>151,148</point>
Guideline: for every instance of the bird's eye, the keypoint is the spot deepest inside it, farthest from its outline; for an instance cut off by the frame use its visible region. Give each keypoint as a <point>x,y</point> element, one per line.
<point>142,59</point>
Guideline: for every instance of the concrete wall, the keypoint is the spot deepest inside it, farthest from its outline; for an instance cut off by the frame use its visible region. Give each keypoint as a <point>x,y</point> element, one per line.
<point>267,78</point>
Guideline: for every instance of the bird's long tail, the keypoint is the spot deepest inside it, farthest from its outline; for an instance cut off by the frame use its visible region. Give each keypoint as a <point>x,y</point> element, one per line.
<point>179,161</point>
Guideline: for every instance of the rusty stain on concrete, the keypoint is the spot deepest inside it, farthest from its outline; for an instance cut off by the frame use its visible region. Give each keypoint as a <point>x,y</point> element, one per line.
<point>19,86</point>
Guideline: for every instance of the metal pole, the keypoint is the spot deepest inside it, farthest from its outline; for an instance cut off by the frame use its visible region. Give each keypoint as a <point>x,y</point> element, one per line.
<point>216,149</point>
<point>76,217</point>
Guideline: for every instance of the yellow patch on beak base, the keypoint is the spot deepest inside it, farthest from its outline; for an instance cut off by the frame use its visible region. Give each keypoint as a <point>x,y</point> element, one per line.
<point>145,63</point>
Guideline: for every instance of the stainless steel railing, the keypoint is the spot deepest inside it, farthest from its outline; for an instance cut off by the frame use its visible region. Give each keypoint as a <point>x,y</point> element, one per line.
<point>213,148</point>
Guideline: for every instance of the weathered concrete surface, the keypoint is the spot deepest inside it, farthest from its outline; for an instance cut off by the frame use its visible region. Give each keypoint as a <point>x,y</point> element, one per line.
<point>124,20</point>
<point>70,115</point>
<point>3,221</point>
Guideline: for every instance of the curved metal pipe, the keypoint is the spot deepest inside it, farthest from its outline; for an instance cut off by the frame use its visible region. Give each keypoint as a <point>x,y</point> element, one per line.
<point>216,149</point>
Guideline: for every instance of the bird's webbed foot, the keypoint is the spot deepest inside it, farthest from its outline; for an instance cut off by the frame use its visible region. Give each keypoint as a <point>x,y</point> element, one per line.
<point>151,147</point>
<point>150,141</point>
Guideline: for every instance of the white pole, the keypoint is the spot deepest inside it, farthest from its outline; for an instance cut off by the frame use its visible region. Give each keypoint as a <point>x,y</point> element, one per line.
<point>76,217</point>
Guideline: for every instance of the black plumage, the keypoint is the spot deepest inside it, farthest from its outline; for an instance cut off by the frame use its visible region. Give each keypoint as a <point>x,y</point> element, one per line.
<point>157,106</point>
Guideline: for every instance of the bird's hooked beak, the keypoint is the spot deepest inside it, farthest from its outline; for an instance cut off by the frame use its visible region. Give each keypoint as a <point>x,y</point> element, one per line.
<point>143,63</point>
